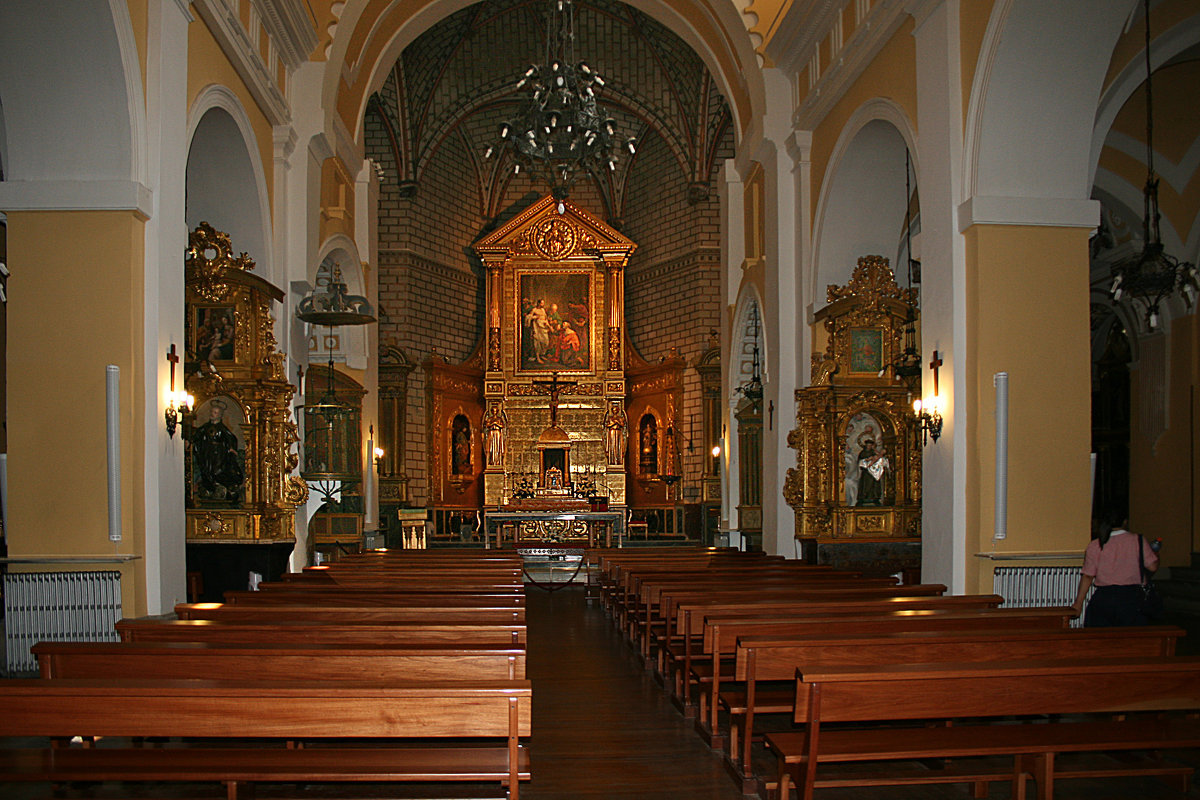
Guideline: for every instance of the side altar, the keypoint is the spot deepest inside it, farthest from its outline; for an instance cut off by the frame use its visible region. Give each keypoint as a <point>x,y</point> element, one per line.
<point>554,431</point>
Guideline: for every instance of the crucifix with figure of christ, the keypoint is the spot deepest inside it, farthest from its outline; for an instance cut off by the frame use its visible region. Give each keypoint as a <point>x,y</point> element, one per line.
<point>555,387</point>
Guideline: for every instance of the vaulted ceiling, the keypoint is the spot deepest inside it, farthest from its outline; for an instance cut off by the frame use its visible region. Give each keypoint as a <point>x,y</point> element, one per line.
<point>459,79</point>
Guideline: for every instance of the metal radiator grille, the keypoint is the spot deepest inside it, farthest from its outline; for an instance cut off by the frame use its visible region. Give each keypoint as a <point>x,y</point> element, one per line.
<point>59,607</point>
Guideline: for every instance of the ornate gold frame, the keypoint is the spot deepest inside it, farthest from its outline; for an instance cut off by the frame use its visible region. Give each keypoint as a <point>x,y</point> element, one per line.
<point>594,358</point>
<point>816,487</point>
<point>255,379</point>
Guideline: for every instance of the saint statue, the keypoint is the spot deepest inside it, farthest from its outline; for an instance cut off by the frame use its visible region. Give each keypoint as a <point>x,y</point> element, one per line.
<point>614,432</point>
<point>495,421</point>
<point>872,465</point>
<point>218,469</point>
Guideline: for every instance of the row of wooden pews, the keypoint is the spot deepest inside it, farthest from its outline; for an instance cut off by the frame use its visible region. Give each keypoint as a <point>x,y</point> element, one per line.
<point>864,682</point>
<point>385,668</point>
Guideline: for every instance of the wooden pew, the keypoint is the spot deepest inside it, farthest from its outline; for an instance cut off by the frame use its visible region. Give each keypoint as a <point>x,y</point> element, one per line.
<point>667,619</point>
<point>384,615</point>
<point>985,691</point>
<point>336,596</point>
<point>398,586</point>
<point>392,599</point>
<point>341,634</point>
<point>721,632</point>
<point>651,612</point>
<point>276,661</point>
<point>777,659</point>
<point>614,568</point>
<point>230,713</point>
<point>691,618</point>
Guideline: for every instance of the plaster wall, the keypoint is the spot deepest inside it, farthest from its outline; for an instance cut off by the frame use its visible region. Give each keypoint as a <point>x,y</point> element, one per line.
<point>57,463</point>
<point>1041,340</point>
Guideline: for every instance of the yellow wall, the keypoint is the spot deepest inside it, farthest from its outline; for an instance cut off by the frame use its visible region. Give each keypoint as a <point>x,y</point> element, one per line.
<point>972,25</point>
<point>207,65</point>
<point>1163,485</point>
<point>79,292</point>
<point>1028,315</point>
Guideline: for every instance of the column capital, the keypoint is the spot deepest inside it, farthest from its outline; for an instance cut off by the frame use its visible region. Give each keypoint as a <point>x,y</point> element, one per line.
<point>1058,212</point>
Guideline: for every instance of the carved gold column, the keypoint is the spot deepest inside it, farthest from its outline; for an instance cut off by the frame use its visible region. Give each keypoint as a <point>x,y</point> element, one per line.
<point>495,296</point>
<point>616,311</point>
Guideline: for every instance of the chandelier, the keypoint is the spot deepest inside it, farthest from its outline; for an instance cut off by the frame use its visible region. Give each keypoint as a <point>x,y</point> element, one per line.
<point>1152,275</point>
<point>331,426</point>
<point>752,389</point>
<point>561,131</point>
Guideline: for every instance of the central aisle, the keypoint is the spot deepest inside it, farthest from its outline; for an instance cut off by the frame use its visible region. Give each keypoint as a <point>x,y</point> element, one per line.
<point>601,726</point>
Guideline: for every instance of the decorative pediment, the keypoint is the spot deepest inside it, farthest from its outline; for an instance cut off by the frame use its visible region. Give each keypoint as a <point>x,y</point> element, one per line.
<point>865,324</point>
<point>555,231</point>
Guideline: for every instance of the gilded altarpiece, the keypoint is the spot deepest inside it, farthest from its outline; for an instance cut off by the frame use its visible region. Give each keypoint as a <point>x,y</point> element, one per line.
<point>858,453</point>
<point>454,406</point>
<point>554,356</point>
<point>239,454</point>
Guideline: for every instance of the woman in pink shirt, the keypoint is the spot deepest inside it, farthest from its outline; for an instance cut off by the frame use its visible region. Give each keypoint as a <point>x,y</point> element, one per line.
<point>1111,562</point>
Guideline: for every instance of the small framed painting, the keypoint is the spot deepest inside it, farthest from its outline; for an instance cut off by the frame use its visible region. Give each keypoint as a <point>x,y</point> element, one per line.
<point>866,351</point>
<point>211,335</point>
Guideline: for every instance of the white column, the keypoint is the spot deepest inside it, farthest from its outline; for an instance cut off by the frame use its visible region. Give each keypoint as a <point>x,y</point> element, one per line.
<point>943,286</point>
<point>166,240</point>
<point>366,226</point>
<point>731,192</point>
<point>781,316</point>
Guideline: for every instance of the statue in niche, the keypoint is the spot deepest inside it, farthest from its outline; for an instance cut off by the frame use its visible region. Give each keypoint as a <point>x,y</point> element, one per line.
<point>615,423</point>
<point>219,475</point>
<point>460,443</point>
<point>495,423</point>
<point>867,464</point>
<point>862,426</point>
<point>648,445</point>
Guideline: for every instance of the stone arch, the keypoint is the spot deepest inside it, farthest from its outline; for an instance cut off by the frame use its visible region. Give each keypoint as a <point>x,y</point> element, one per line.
<point>749,304</point>
<point>861,207</point>
<point>1032,108</point>
<point>226,181</point>
<point>98,116</point>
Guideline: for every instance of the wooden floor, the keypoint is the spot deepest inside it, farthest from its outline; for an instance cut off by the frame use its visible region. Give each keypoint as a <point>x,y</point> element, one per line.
<point>603,728</point>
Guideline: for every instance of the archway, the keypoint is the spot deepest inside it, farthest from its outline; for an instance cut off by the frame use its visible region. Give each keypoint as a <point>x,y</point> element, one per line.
<point>863,202</point>
<point>226,183</point>
<point>743,497</point>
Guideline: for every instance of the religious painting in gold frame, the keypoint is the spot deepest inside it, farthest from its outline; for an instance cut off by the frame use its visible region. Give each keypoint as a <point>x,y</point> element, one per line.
<point>555,321</point>
<point>211,334</point>
<point>866,351</point>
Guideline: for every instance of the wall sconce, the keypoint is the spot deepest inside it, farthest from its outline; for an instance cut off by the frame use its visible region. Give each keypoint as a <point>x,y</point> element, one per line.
<point>179,403</point>
<point>378,460</point>
<point>930,422</point>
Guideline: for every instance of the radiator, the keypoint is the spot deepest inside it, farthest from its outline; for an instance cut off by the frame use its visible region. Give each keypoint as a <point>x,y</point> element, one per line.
<point>1028,587</point>
<point>57,607</point>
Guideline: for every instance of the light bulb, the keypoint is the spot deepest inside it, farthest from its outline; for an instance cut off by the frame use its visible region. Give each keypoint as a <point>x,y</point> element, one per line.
<point>917,406</point>
<point>716,450</point>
